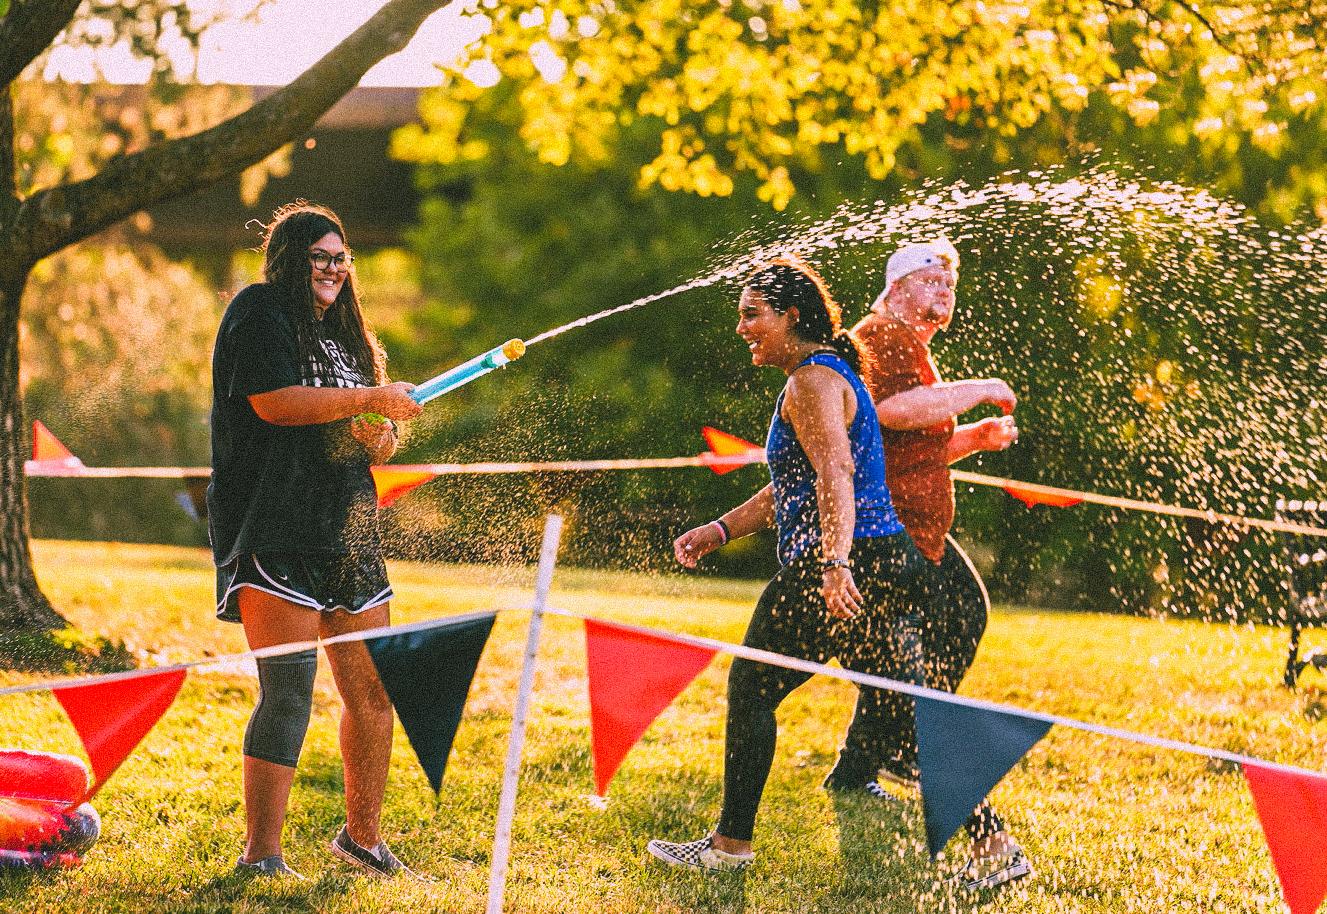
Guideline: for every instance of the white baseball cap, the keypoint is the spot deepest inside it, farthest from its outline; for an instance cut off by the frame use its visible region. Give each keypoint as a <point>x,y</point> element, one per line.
<point>913,257</point>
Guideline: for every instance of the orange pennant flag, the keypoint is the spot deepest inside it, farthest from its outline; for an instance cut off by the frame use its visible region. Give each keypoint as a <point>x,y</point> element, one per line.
<point>393,482</point>
<point>1032,498</point>
<point>47,449</point>
<point>723,444</point>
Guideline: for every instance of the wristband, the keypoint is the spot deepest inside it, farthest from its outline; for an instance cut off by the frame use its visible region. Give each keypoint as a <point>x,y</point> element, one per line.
<point>723,528</point>
<point>827,564</point>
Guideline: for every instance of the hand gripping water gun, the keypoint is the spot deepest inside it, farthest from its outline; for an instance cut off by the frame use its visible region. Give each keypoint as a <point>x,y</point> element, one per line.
<point>462,374</point>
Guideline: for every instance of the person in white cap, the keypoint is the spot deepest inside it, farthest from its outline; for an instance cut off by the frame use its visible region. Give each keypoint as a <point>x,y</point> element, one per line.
<point>918,417</point>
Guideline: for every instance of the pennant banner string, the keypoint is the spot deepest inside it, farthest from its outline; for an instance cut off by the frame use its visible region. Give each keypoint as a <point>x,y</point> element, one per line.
<point>880,682</point>
<point>219,663</point>
<point>39,468</point>
<point>1133,504</point>
<point>736,650</point>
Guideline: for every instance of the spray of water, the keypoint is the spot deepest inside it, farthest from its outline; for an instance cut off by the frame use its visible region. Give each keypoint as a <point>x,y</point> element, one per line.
<point>1166,347</point>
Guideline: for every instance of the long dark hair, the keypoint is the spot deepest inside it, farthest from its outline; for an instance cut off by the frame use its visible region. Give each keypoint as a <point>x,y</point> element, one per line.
<point>790,282</point>
<point>294,229</point>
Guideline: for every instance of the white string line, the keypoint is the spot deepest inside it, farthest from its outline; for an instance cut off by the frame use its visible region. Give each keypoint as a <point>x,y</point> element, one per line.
<point>880,682</point>
<point>737,650</point>
<point>1133,504</point>
<point>35,468</point>
<point>224,661</point>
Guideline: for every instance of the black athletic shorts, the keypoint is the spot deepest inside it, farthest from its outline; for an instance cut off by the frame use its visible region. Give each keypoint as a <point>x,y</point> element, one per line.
<point>322,582</point>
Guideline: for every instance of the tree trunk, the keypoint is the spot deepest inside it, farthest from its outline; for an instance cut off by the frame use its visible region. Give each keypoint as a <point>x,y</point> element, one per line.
<point>23,607</point>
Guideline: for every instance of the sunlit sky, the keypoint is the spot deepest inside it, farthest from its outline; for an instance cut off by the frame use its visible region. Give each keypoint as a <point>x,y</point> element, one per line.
<point>290,36</point>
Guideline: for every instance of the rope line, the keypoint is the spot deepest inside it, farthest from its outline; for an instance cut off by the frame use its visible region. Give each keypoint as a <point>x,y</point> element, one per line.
<point>36,468</point>
<point>736,650</point>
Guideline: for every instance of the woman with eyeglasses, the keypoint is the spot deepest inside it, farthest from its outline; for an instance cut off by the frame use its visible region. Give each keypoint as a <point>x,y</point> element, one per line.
<point>292,517</point>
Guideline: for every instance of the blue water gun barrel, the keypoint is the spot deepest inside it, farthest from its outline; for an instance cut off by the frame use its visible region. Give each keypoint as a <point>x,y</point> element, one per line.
<point>467,371</point>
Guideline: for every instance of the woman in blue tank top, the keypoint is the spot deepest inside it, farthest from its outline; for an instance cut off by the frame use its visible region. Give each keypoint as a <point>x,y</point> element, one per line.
<point>851,585</point>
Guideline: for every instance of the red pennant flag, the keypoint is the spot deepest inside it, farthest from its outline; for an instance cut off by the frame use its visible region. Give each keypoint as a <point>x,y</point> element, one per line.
<point>49,452</point>
<point>112,717</point>
<point>1292,808</point>
<point>633,677</point>
<point>722,444</point>
<point>1032,498</point>
<point>393,482</point>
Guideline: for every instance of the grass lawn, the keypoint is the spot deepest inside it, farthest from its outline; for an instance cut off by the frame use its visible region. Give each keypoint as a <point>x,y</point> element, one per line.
<point>1110,826</point>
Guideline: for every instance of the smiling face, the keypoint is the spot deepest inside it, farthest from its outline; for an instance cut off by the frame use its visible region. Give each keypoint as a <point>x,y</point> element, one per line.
<point>327,283</point>
<point>767,333</point>
<point>924,300</point>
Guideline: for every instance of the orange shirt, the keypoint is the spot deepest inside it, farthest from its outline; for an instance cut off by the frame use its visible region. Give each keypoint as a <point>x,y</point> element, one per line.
<point>916,464</point>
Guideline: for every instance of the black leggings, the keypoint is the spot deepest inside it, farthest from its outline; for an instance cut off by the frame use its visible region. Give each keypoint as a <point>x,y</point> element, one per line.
<point>883,732</point>
<point>883,639</point>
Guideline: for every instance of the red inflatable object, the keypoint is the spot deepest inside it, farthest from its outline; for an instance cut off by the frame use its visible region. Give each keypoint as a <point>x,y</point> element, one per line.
<point>44,823</point>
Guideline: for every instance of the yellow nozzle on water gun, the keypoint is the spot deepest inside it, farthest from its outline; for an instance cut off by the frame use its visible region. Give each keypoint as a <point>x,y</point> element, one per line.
<point>513,349</point>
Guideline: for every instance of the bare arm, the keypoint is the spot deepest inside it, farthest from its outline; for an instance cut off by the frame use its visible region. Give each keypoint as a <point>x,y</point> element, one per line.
<point>816,410</point>
<point>300,405</point>
<point>922,407</point>
<point>992,434</point>
<point>819,415</point>
<point>752,515</point>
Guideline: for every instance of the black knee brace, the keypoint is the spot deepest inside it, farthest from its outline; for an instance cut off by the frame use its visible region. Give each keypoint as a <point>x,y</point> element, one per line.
<point>285,698</point>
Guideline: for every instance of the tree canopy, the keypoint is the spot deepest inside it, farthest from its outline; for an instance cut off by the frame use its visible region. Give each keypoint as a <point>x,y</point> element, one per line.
<point>776,89</point>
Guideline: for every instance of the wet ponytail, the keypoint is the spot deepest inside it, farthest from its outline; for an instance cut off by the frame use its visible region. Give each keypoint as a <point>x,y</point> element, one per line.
<point>790,282</point>
<point>850,350</point>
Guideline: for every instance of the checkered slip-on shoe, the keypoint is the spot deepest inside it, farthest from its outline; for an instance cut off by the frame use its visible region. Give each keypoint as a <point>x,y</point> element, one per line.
<point>375,861</point>
<point>988,872</point>
<point>699,855</point>
<point>267,868</point>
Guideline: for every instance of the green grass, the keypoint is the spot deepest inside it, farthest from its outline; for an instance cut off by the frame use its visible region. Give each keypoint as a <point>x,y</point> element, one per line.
<point>1111,826</point>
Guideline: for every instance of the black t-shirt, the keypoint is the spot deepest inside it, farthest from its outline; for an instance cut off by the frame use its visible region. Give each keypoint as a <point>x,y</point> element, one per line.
<point>298,488</point>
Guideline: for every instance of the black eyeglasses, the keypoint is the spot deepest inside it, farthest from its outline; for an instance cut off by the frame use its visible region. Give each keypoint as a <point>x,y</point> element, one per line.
<point>325,261</point>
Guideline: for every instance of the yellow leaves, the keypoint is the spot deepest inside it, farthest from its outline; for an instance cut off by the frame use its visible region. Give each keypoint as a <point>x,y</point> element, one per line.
<point>254,178</point>
<point>1163,384</point>
<point>439,138</point>
<point>1208,126</point>
<point>777,189</point>
<point>1143,110</point>
<point>682,164</point>
<point>1302,101</point>
<point>761,86</point>
<point>1100,293</point>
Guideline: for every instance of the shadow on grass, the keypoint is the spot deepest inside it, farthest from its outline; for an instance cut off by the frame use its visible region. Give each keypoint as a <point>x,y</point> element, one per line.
<point>231,891</point>
<point>66,650</point>
<point>885,863</point>
<point>1313,703</point>
<point>16,883</point>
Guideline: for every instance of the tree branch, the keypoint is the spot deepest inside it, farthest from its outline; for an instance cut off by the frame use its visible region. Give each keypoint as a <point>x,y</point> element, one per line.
<point>55,218</point>
<point>29,29</point>
<point>1222,40</point>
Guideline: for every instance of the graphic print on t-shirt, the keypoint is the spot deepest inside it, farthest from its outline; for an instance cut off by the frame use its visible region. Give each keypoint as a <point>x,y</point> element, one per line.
<point>330,366</point>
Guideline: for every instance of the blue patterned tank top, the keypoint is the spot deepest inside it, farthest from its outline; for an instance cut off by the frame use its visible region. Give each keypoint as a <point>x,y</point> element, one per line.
<point>796,512</point>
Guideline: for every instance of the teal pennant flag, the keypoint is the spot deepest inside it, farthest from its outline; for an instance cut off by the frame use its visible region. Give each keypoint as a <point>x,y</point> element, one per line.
<point>962,754</point>
<point>427,676</point>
